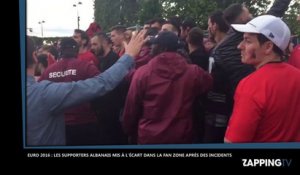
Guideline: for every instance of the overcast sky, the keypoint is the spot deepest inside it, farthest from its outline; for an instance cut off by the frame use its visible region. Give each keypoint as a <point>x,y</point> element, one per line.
<point>59,15</point>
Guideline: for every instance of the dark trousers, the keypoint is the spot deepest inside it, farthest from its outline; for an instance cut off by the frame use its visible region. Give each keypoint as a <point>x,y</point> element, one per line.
<point>213,134</point>
<point>83,134</point>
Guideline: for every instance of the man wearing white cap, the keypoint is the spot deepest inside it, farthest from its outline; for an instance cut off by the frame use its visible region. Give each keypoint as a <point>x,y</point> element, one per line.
<point>267,102</point>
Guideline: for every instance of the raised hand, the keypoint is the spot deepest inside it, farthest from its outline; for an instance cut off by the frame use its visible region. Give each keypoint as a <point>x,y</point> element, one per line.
<point>135,44</point>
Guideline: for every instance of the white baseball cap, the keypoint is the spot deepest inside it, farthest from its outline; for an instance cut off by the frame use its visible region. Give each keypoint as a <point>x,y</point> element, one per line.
<point>270,26</point>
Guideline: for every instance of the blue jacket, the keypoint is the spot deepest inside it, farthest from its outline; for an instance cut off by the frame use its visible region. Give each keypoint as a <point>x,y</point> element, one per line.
<point>46,101</point>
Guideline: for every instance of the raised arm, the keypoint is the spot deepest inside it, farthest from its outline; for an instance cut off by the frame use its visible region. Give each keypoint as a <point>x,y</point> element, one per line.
<point>59,96</point>
<point>279,7</point>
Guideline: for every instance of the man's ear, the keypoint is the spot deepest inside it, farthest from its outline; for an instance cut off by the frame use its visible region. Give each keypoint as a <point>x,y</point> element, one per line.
<point>268,47</point>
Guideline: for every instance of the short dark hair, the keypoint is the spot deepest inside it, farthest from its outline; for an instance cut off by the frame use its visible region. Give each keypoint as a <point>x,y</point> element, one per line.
<point>166,40</point>
<point>151,32</point>
<point>52,49</point>
<point>217,17</point>
<point>119,29</point>
<point>148,22</point>
<point>83,36</point>
<point>232,12</point>
<point>103,36</point>
<point>30,48</point>
<point>195,36</point>
<point>161,21</point>
<point>188,22</point>
<point>69,48</point>
<point>175,22</point>
<point>43,59</point>
<point>262,39</point>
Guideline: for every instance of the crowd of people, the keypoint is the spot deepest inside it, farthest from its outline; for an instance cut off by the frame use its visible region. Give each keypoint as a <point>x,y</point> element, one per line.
<point>168,83</point>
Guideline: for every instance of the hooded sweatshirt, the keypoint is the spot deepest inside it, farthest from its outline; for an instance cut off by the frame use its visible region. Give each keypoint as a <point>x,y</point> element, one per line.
<point>159,104</point>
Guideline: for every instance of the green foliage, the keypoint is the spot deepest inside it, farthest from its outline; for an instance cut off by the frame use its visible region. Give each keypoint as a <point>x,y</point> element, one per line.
<point>198,10</point>
<point>129,12</point>
<point>291,17</point>
<point>256,7</point>
<point>132,12</point>
<point>149,9</point>
<point>107,14</point>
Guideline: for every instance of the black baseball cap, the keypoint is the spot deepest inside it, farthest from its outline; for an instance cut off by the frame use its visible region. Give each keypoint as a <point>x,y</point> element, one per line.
<point>166,39</point>
<point>68,43</point>
<point>68,48</point>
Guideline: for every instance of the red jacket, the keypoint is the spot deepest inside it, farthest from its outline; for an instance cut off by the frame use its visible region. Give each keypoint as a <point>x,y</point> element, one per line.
<point>88,56</point>
<point>72,69</point>
<point>159,103</point>
<point>143,57</point>
<point>93,28</point>
<point>295,57</point>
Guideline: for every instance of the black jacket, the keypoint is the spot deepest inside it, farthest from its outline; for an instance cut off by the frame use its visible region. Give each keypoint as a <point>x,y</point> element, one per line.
<point>200,58</point>
<point>108,107</point>
<point>227,71</point>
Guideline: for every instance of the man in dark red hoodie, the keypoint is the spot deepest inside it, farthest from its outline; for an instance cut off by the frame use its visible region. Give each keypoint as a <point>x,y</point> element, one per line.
<point>159,104</point>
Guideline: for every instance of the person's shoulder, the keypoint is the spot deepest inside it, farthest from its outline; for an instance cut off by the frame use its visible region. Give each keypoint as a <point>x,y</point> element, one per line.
<point>84,65</point>
<point>297,46</point>
<point>297,49</point>
<point>113,55</point>
<point>51,68</point>
<point>195,67</point>
<point>41,86</point>
<point>252,80</point>
<point>80,62</point>
<point>88,54</point>
<point>142,72</point>
<point>231,40</point>
<point>143,69</point>
<point>55,65</point>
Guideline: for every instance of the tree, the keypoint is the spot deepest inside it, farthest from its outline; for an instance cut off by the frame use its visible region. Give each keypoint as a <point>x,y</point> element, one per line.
<point>198,10</point>
<point>149,9</point>
<point>291,17</point>
<point>109,14</point>
<point>129,12</point>
<point>132,12</point>
<point>256,7</point>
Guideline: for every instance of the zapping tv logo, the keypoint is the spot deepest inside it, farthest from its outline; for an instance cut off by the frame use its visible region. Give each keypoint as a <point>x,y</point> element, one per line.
<point>267,162</point>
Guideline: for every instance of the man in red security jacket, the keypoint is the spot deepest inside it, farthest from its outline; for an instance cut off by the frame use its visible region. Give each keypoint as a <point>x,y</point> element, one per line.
<point>159,104</point>
<point>46,101</point>
<point>81,121</point>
